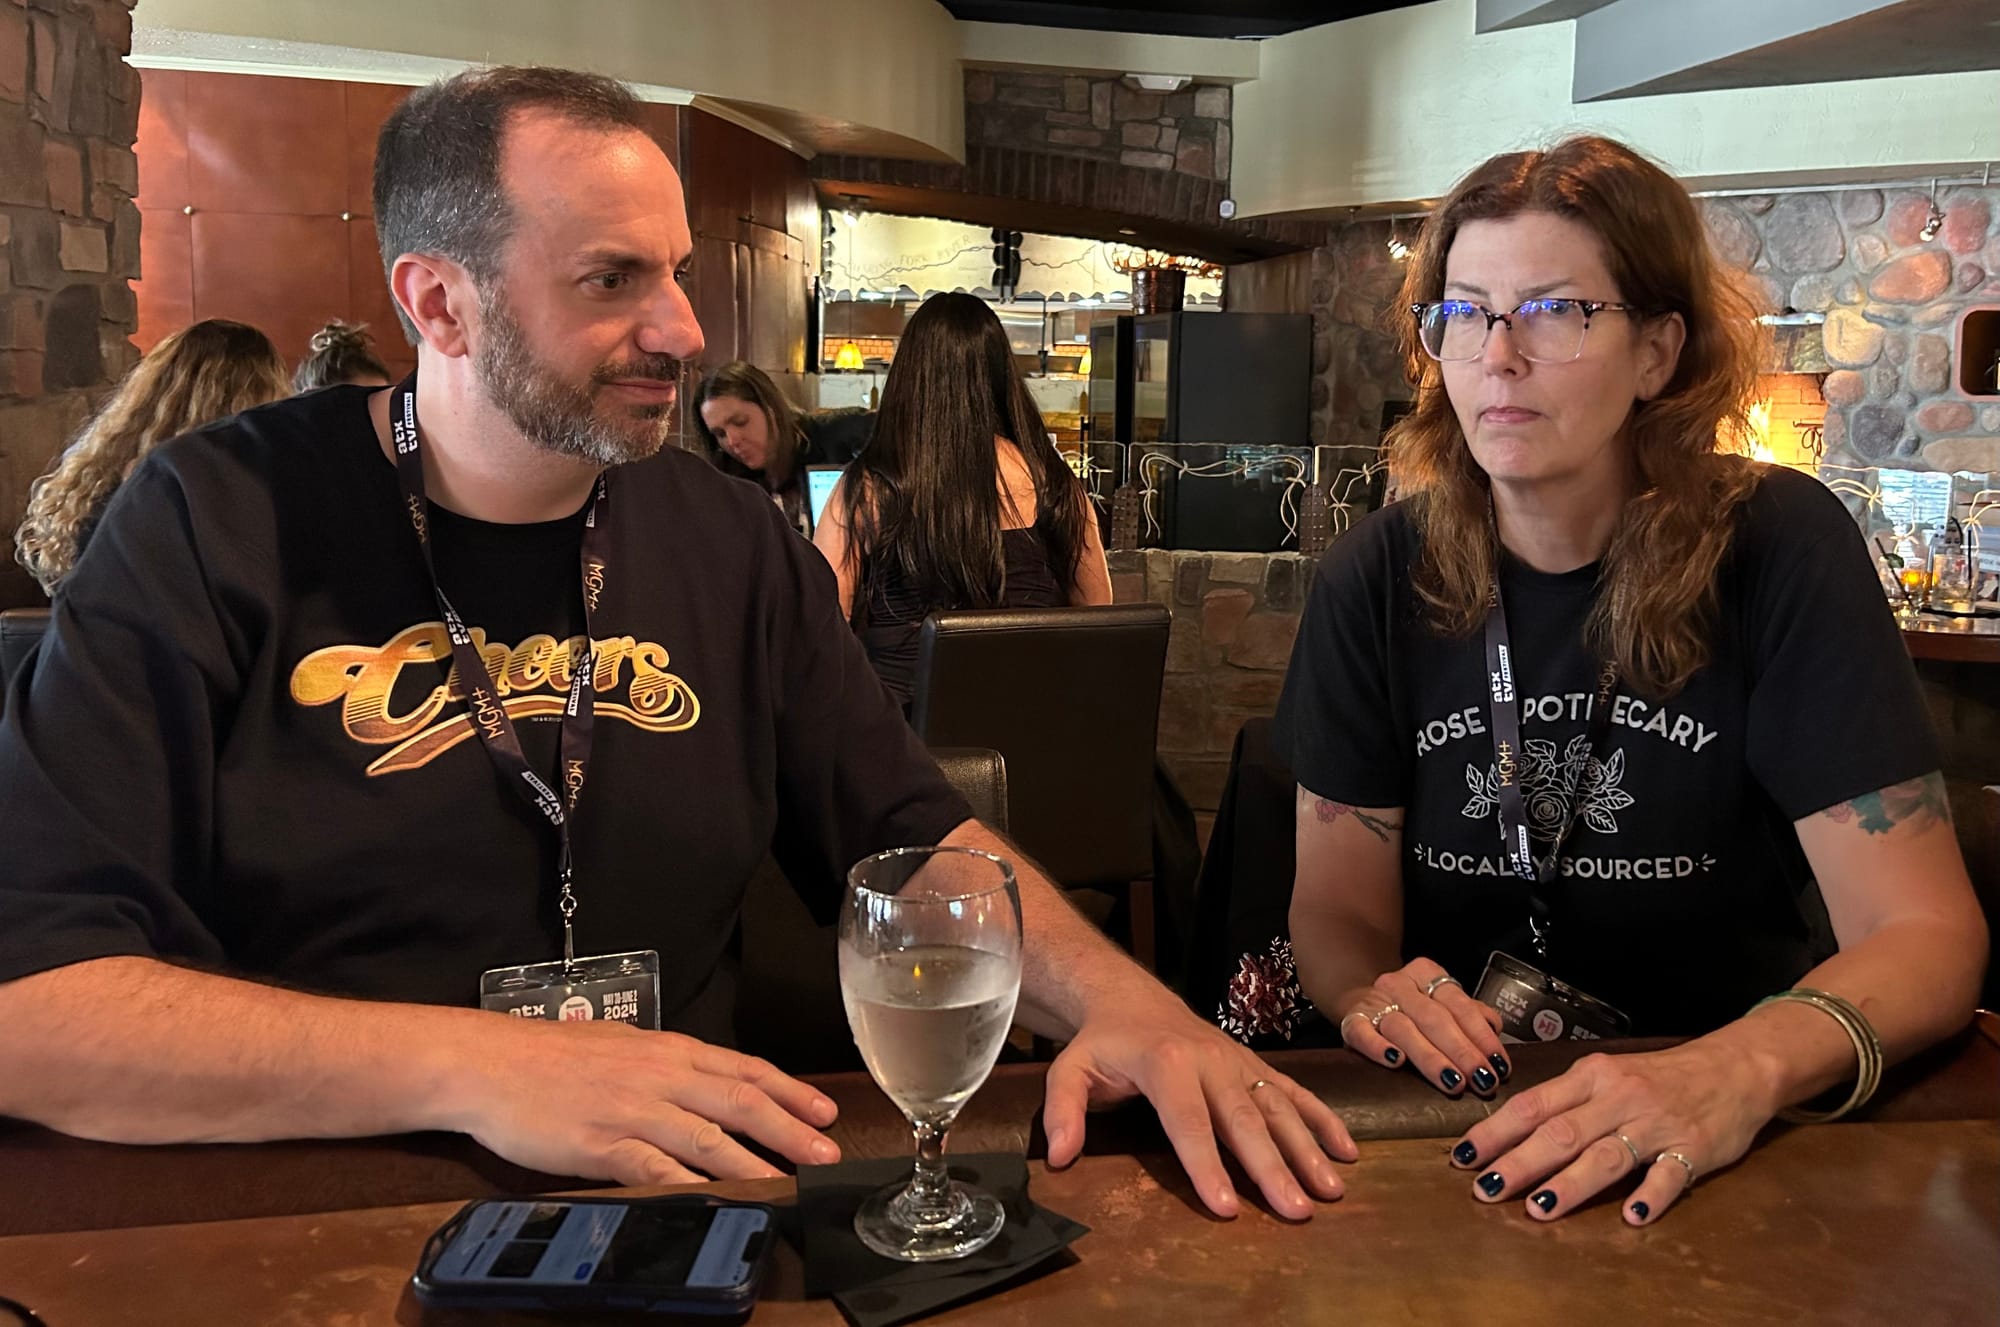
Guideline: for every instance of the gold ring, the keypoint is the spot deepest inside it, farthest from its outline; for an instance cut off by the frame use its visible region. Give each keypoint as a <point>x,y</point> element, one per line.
<point>1375,1020</point>
<point>1684,1163</point>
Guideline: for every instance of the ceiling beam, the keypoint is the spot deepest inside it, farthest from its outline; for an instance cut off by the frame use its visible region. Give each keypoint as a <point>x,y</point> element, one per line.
<point>1640,48</point>
<point>1500,15</point>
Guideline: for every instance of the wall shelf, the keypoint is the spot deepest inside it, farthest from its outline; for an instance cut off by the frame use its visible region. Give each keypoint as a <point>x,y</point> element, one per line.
<point>1978,352</point>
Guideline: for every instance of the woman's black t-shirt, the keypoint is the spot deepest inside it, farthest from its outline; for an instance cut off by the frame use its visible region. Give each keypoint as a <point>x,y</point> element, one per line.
<point>1682,895</point>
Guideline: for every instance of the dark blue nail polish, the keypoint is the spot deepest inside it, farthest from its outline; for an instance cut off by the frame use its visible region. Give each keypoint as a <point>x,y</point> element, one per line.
<point>1392,1056</point>
<point>1501,1067</point>
<point>1484,1080</point>
<point>1465,1154</point>
<point>1491,1184</point>
<point>1546,1200</point>
<point>1451,1078</point>
<point>1641,1211</point>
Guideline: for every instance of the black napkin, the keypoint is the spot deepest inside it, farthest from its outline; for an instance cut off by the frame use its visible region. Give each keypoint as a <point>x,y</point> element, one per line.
<point>874,1291</point>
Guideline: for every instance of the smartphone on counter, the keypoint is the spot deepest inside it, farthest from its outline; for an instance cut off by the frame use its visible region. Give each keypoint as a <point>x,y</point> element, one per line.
<point>681,1254</point>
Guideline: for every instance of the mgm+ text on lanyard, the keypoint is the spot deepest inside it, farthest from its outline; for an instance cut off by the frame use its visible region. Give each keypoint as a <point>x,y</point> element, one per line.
<point>489,716</point>
<point>1505,713</point>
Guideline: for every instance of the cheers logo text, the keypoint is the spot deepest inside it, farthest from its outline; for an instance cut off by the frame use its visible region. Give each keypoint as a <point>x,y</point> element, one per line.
<point>629,678</point>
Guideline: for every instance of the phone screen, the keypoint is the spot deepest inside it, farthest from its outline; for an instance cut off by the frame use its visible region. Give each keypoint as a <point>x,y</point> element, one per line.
<point>651,1246</point>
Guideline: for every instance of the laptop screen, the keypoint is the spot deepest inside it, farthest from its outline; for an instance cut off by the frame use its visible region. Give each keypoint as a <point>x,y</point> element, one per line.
<point>820,480</point>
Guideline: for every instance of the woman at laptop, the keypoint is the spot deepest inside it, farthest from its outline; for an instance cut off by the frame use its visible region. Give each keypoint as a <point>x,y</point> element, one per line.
<point>961,501</point>
<point>754,433</point>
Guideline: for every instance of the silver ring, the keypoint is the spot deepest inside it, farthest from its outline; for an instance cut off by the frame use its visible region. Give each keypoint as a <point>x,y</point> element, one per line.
<point>1430,987</point>
<point>1353,1013</point>
<point>1633,1148</point>
<point>1375,1020</point>
<point>1262,1082</point>
<point>1684,1163</point>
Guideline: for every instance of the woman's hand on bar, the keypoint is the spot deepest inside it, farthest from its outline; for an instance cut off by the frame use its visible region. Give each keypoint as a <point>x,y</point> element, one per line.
<point>607,1101</point>
<point>1562,1143</point>
<point>1448,1037</point>
<point>1208,1089</point>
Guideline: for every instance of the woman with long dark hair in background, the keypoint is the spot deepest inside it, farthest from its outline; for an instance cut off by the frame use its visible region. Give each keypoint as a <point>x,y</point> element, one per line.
<point>209,371</point>
<point>961,500</point>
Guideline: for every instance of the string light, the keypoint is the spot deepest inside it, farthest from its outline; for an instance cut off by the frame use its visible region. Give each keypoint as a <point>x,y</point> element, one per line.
<point>1130,258</point>
<point>1934,219</point>
<point>1152,463</point>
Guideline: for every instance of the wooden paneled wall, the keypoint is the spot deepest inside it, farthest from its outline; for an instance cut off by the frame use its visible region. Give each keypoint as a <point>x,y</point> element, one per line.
<point>254,194</point>
<point>756,222</point>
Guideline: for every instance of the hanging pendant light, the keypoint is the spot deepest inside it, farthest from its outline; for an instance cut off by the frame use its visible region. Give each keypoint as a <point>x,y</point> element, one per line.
<point>848,356</point>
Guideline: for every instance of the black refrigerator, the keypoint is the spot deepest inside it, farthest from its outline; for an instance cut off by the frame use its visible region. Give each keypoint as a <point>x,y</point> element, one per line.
<point>1241,378</point>
<point>1222,401</point>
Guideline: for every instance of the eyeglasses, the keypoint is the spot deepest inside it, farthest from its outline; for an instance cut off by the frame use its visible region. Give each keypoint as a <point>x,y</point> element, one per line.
<point>1547,331</point>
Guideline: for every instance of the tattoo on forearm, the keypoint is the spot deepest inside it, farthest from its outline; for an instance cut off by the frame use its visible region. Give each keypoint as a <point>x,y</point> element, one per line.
<point>1918,802</point>
<point>1328,813</point>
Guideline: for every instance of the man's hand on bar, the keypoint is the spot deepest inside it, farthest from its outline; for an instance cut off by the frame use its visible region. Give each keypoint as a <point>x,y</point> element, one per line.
<point>607,1101</point>
<point>1207,1089</point>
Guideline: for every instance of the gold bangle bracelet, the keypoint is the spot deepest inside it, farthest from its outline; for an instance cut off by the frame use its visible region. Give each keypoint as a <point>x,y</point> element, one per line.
<point>1867,1051</point>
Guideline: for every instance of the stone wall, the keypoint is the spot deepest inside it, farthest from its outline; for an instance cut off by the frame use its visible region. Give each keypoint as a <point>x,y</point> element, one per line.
<point>1357,367</point>
<point>69,234</point>
<point>1101,118</point>
<point>1234,618</point>
<point>1891,300</point>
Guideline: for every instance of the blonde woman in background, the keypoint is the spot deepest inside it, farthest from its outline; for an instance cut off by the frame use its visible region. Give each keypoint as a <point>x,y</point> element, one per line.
<point>205,372</point>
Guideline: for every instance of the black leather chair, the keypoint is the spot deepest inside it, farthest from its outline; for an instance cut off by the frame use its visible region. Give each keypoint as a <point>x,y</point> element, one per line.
<point>788,1006</point>
<point>1071,698</point>
<point>20,629</point>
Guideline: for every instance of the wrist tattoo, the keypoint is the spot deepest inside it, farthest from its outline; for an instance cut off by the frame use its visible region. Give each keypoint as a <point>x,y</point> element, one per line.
<point>1328,813</point>
<point>1919,802</point>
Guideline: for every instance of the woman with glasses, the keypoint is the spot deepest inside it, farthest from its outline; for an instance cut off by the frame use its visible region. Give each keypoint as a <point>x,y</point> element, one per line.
<point>1588,725</point>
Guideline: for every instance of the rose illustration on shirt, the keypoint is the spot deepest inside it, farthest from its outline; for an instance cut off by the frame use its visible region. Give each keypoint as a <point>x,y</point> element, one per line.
<point>1548,785</point>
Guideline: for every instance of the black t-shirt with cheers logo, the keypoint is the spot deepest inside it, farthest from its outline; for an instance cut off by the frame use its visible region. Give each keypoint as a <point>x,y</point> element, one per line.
<point>1683,895</point>
<point>242,743</point>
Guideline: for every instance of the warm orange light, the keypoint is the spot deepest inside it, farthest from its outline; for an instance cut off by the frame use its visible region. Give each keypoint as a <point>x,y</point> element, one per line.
<point>848,356</point>
<point>1760,432</point>
<point>1083,363</point>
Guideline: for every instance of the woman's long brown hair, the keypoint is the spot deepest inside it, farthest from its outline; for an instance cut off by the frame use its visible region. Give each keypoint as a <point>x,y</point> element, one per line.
<point>209,371</point>
<point>1654,613</point>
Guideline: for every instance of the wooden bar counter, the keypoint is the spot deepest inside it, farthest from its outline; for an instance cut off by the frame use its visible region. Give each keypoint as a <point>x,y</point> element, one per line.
<point>1891,1219</point>
<point>1953,639</point>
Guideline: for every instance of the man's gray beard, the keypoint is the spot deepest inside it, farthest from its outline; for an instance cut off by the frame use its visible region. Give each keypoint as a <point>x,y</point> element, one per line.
<point>552,413</point>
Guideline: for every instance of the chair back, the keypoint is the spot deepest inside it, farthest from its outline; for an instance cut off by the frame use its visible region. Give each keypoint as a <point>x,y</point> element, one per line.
<point>788,1006</point>
<point>1070,697</point>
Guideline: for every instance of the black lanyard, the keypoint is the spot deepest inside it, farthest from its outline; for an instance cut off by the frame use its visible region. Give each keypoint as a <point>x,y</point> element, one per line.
<point>484,708</point>
<point>1505,712</point>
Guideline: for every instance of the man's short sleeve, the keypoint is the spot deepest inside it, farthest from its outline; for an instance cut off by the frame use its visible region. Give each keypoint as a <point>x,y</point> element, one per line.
<point>853,778</point>
<point>107,749</point>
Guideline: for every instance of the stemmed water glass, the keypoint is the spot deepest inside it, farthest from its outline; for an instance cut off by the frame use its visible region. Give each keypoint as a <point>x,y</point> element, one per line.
<point>930,969</point>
